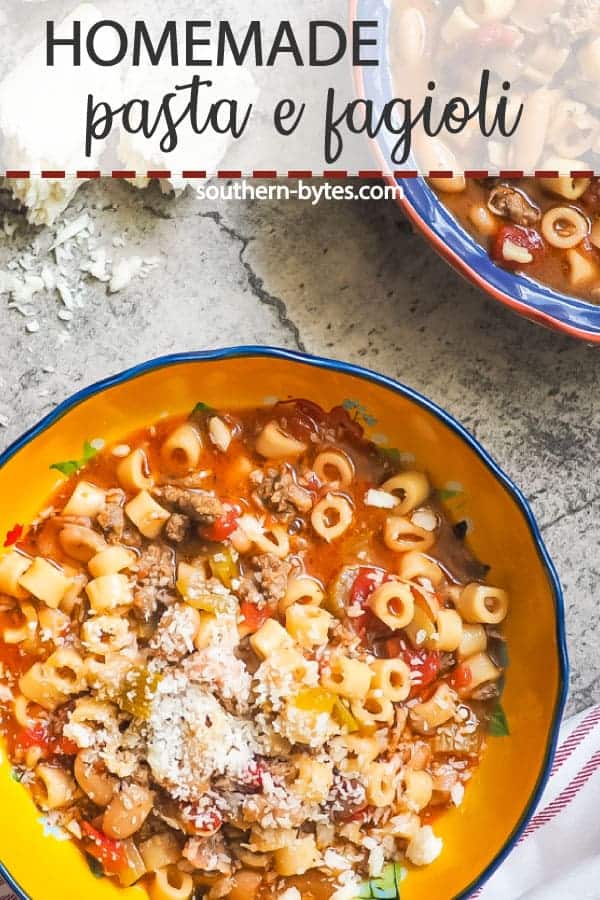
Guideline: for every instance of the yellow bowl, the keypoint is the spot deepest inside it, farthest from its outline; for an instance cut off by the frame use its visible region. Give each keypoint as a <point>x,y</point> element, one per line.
<point>501,798</point>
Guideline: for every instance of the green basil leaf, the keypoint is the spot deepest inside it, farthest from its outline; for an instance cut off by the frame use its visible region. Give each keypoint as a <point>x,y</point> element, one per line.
<point>66,468</point>
<point>498,724</point>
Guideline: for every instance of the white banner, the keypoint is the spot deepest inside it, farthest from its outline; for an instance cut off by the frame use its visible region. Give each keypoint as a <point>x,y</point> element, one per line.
<point>299,86</point>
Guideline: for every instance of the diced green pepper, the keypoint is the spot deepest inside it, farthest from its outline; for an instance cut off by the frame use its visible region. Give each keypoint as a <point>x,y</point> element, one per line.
<point>343,716</point>
<point>386,887</point>
<point>136,699</point>
<point>224,567</point>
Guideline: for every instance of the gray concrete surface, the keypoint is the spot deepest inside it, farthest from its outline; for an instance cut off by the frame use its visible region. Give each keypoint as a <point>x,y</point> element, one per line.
<point>347,280</point>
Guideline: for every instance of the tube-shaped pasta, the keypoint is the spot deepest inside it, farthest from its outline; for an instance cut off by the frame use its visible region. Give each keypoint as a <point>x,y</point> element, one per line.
<point>582,269</point>
<point>86,500</point>
<point>13,566</point>
<point>308,625</point>
<point>410,36</point>
<point>302,589</point>
<point>313,779</point>
<point>564,227</point>
<point>482,219</point>
<point>108,592</point>
<point>335,468</point>
<point>393,603</point>
<point>565,185</point>
<point>402,535</point>
<point>21,712</point>
<point>392,678</point>
<point>93,779</point>
<point>111,561</point>
<point>331,517</point>
<point>147,515</point>
<point>182,449</point>
<point>373,711</point>
<point>449,627</point>
<point>106,634</point>
<point>482,671</point>
<point>269,638</point>
<point>38,688</point>
<point>127,811</point>
<point>80,542</point>
<point>480,604</point>
<point>473,640</point>
<point>53,788</point>
<point>489,10</point>
<point>171,884</point>
<point>348,677</point>
<point>415,566</point>
<point>435,711</point>
<point>275,540</point>
<point>26,631</point>
<point>160,850</point>
<point>133,472</point>
<point>381,784</point>
<point>54,623</point>
<point>297,857</point>
<point>274,443</point>
<point>418,788</point>
<point>412,489</point>
<point>219,434</point>
<point>45,581</point>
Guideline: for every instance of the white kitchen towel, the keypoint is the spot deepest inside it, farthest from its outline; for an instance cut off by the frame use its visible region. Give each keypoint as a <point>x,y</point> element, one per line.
<point>558,857</point>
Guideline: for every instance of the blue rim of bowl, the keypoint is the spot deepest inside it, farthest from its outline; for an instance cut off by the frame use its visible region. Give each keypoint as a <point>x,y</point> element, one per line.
<point>524,295</point>
<point>394,387</point>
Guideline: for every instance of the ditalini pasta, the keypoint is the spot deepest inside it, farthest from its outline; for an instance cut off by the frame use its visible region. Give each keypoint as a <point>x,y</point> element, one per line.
<point>244,649</point>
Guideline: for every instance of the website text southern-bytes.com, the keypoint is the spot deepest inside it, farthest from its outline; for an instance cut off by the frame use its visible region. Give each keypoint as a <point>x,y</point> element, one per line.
<point>312,192</point>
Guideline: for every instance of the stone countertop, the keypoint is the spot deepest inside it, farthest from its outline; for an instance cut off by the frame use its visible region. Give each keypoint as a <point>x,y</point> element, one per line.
<point>343,279</point>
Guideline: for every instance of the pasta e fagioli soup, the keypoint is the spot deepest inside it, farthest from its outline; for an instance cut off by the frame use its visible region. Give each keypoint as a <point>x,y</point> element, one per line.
<point>246,654</point>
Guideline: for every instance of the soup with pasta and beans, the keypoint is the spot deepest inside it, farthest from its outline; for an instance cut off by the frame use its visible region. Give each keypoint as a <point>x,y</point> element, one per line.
<point>244,653</point>
<point>548,229</point>
<point>548,54</point>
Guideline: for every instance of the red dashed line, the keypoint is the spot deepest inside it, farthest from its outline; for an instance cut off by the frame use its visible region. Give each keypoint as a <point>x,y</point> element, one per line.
<point>57,174</point>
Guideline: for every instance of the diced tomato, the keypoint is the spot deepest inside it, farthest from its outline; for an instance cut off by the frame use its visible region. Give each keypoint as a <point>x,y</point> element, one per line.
<point>424,664</point>
<point>365,583</point>
<point>462,677</point>
<point>254,616</point>
<point>37,736</point>
<point>498,36</point>
<point>110,854</point>
<point>225,525</point>
<point>14,535</point>
<point>65,746</point>
<point>204,821</point>
<point>526,239</point>
<point>253,777</point>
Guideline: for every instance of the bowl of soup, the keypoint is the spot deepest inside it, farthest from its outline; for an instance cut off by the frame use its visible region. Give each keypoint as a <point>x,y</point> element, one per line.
<point>530,242</point>
<point>268,623</point>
